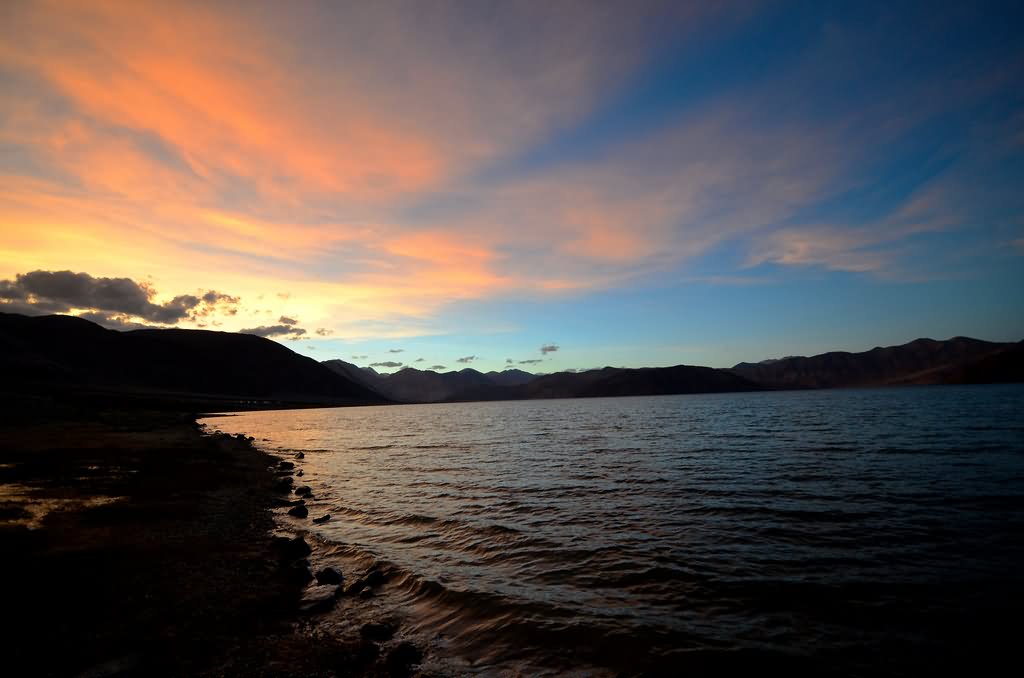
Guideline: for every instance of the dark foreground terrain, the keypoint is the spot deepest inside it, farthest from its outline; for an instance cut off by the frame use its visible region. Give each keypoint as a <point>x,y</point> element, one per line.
<point>131,544</point>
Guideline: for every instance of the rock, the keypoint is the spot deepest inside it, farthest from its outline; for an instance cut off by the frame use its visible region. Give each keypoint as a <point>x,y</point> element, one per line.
<point>278,502</point>
<point>401,657</point>
<point>317,599</point>
<point>329,575</point>
<point>355,587</point>
<point>304,491</point>
<point>284,484</point>
<point>378,631</point>
<point>322,519</point>
<point>299,511</point>
<point>375,578</point>
<point>368,592</point>
<point>300,455</point>
<point>286,466</point>
<point>291,549</point>
<point>298,571</point>
<point>299,473</point>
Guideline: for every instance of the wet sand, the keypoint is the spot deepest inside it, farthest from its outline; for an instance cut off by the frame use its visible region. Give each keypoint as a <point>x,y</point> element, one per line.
<point>132,544</point>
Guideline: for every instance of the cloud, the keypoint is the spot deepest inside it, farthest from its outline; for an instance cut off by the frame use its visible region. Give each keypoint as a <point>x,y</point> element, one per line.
<point>268,331</point>
<point>466,359</point>
<point>287,321</point>
<point>387,363</point>
<point>323,332</point>
<point>124,298</point>
<point>509,361</point>
<point>396,350</point>
<point>114,321</point>
<point>436,368</point>
<point>360,357</point>
<point>530,362</point>
<point>418,360</point>
<point>548,348</point>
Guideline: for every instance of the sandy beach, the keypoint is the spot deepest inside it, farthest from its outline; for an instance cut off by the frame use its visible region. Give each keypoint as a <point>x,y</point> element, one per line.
<point>132,543</point>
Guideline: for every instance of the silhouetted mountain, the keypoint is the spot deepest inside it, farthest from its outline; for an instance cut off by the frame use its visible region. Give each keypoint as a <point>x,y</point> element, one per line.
<point>510,377</point>
<point>364,376</point>
<point>410,385</point>
<point>924,361</point>
<point>613,381</point>
<point>58,353</point>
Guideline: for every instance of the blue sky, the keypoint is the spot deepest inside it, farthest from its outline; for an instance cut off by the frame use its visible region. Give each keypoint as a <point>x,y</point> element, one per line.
<point>634,183</point>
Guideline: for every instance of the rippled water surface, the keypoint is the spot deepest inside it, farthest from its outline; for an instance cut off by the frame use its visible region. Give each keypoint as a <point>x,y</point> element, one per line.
<point>856,531</point>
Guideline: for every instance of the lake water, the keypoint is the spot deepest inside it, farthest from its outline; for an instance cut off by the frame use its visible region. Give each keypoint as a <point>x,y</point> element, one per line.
<point>857,532</point>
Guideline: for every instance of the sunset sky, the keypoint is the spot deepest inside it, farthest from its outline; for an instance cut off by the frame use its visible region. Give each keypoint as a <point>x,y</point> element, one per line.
<point>545,185</point>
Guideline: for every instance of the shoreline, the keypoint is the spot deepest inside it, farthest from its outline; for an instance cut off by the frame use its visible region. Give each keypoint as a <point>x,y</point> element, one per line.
<point>136,543</point>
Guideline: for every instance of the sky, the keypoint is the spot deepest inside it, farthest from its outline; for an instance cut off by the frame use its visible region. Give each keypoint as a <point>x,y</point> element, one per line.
<point>538,185</point>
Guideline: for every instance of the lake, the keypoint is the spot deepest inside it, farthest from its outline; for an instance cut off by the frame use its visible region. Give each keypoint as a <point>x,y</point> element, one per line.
<point>849,532</point>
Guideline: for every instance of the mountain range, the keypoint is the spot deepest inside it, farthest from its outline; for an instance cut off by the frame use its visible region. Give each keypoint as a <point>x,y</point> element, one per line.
<point>65,355</point>
<point>923,361</point>
<point>61,355</point>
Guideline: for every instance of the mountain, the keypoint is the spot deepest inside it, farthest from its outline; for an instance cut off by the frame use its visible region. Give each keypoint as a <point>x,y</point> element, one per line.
<point>923,361</point>
<point>62,354</point>
<point>510,377</point>
<point>410,385</point>
<point>613,381</point>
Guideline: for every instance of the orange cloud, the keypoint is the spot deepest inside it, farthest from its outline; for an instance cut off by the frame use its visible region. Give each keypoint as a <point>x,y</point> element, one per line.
<point>222,93</point>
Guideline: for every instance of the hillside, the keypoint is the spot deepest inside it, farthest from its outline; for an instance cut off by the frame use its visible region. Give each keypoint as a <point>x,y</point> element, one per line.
<point>612,381</point>
<point>923,361</point>
<point>51,354</point>
<point>410,385</point>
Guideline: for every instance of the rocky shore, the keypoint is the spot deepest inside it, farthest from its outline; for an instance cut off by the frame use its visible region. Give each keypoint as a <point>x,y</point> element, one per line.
<point>134,544</point>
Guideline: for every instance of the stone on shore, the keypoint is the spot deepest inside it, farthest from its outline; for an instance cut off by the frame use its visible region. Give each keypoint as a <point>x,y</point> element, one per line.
<point>401,657</point>
<point>378,631</point>
<point>329,575</point>
<point>317,599</point>
<point>291,549</point>
<point>355,587</point>
<point>286,465</point>
<point>322,519</point>
<point>298,571</point>
<point>299,511</point>
<point>375,577</point>
<point>300,455</point>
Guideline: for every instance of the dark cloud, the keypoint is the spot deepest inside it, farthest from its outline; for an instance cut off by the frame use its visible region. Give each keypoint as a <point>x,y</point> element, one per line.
<point>275,331</point>
<point>530,362</point>
<point>213,297</point>
<point>284,320</point>
<point>509,361</point>
<point>387,363</point>
<point>438,367</point>
<point>549,348</point>
<point>360,357</point>
<point>418,360</point>
<point>323,332</point>
<point>116,299</point>
<point>396,350</point>
<point>466,359</point>
<point>11,291</point>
